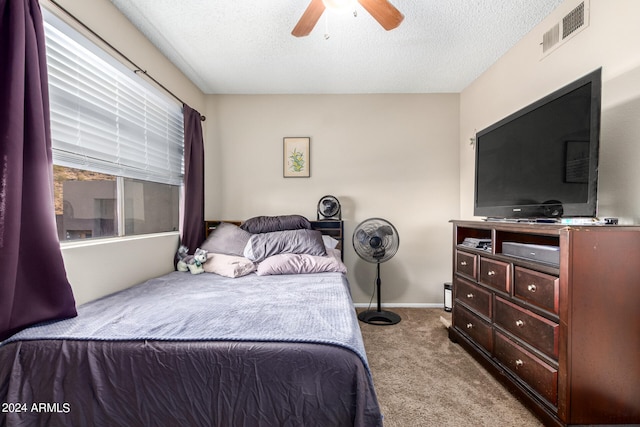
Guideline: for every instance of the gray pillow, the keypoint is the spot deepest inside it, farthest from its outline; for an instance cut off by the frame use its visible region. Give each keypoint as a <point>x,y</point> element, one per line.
<point>269,224</point>
<point>227,239</point>
<point>264,245</point>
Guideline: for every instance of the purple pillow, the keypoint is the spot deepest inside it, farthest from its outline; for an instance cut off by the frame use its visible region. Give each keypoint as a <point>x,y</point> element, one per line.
<point>268,224</point>
<point>301,264</point>
<point>264,245</point>
<point>228,239</point>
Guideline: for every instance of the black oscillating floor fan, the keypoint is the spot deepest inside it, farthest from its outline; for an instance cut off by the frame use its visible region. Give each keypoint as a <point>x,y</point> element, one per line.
<point>376,240</point>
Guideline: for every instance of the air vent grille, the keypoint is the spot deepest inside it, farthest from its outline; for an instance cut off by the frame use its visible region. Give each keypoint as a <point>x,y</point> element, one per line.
<point>572,21</point>
<point>551,38</point>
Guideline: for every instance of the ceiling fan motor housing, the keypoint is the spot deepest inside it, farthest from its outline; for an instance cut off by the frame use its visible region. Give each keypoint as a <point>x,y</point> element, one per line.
<point>381,10</point>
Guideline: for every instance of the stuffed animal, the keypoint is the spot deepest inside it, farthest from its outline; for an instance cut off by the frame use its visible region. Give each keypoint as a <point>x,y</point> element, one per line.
<point>192,263</point>
<point>183,253</point>
<point>199,258</point>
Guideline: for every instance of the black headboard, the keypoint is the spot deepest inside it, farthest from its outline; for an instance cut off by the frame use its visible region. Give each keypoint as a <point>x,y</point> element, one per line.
<point>333,228</point>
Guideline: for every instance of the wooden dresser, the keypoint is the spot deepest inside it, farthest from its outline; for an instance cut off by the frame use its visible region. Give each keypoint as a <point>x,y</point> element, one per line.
<point>564,338</point>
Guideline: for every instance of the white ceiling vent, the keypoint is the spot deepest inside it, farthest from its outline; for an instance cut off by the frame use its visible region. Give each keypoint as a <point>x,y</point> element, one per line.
<point>576,20</point>
<point>551,38</point>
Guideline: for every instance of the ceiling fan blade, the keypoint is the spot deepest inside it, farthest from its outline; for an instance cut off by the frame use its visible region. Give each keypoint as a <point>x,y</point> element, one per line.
<point>383,12</point>
<point>309,18</point>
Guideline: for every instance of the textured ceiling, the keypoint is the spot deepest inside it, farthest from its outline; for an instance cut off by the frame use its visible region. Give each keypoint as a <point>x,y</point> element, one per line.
<point>246,47</point>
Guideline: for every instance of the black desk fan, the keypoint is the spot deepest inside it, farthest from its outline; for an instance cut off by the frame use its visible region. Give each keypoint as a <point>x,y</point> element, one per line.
<point>376,240</point>
<point>329,208</point>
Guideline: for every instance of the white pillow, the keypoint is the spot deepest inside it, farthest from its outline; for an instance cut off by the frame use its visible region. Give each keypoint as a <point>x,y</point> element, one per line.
<point>228,265</point>
<point>329,241</point>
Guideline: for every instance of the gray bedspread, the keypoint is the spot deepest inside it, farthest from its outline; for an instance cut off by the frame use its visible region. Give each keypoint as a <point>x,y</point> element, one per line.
<point>308,321</point>
<point>180,306</point>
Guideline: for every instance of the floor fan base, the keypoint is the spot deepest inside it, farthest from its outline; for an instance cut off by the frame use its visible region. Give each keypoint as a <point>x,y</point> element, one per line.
<point>375,317</point>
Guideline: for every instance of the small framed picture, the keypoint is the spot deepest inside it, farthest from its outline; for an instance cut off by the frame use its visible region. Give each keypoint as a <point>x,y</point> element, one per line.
<point>297,160</point>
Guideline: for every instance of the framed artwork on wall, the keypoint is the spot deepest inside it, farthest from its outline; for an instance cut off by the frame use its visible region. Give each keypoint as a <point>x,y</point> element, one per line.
<point>297,160</point>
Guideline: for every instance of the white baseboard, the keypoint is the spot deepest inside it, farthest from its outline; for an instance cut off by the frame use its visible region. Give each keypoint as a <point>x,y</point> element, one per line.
<point>400,305</point>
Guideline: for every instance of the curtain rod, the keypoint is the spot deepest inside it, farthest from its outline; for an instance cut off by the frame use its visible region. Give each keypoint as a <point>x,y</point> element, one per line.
<point>137,68</point>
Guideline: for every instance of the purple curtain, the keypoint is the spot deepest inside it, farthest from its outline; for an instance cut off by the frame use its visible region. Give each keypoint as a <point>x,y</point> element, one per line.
<point>33,281</point>
<point>193,222</point>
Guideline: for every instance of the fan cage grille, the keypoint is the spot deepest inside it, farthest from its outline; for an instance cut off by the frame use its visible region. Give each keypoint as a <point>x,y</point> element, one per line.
<point>329,207</point>
<point>369,229</point>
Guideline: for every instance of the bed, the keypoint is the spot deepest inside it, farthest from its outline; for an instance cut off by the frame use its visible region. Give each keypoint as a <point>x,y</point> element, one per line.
<point>273,346</point>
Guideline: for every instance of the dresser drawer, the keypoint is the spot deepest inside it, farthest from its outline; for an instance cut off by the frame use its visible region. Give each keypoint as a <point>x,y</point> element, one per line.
<point>495,274</point>
<point>541,333</point>
<point>473,326</point>
<point>467,264</point>
<point>536,288</point>
<point>473,296</point>
<point>540,376</point>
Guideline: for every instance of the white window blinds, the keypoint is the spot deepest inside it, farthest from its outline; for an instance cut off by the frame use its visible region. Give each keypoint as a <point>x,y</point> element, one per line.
<point>106,119</point>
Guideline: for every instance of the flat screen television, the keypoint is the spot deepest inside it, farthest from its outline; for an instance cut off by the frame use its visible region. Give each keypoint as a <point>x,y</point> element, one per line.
<point>542,161</point>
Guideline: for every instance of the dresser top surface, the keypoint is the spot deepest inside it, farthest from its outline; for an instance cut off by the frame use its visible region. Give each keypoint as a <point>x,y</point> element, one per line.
<point>540,228</point>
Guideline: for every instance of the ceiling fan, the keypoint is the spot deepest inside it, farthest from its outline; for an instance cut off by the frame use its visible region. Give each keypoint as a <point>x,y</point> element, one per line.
<point>381,10</point>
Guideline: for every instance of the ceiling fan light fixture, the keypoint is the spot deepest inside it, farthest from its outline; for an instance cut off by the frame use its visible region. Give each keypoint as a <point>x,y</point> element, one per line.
<point>340,5</point>
<point>381,10</point>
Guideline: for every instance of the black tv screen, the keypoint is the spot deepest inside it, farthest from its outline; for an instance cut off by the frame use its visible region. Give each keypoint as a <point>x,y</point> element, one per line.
<point>542,161</point>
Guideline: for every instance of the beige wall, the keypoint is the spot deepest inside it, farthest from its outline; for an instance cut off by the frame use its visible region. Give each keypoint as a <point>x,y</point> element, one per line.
<point>523,76</point>
<point>406,158</point>
<point>101,267</point>
<point>389,156</point>
<point>104,266</point>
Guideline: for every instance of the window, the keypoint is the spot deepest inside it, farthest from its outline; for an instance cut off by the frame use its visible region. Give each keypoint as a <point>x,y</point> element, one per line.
<point>85,203</point>
<point>117,143</point>
<point>150,207</point>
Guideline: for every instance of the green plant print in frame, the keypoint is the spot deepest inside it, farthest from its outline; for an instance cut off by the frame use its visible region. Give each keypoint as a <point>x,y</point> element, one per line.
<point>296,157</point>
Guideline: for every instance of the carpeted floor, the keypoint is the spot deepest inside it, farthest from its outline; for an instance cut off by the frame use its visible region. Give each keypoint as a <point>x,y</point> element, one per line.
<point>423,379</point>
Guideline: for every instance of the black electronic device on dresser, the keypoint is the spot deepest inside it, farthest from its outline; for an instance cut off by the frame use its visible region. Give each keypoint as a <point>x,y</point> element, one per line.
<point>542,161</point>
<point>563,336</point>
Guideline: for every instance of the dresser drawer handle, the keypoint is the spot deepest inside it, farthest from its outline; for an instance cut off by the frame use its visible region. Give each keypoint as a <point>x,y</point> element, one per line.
<point>519,363</point>
<point>519,323</point>
<point>463,263</point>
<point>469,325</point>
<point>491,273</point>
<point>532,288</point>
<point>469,296</point>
